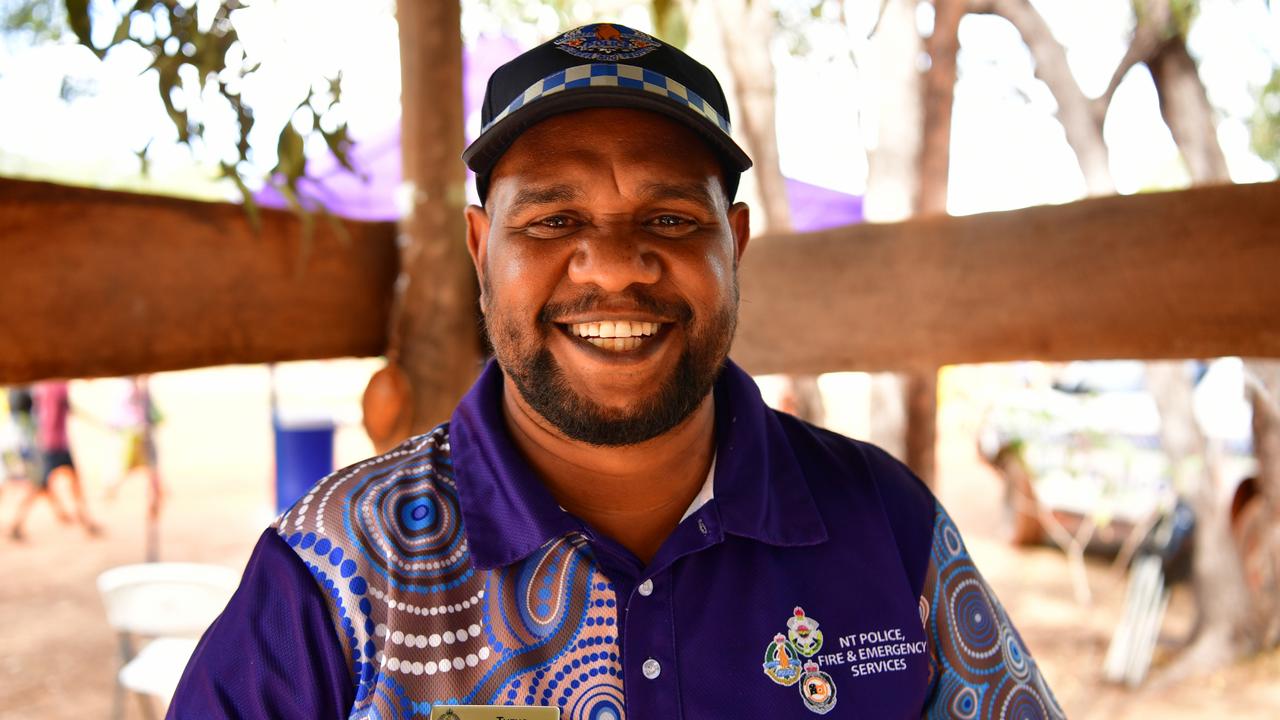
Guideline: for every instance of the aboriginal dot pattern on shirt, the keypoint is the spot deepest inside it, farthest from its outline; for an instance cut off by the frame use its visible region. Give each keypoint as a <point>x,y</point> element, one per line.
<point>981,668</point>
<point>423,625</point>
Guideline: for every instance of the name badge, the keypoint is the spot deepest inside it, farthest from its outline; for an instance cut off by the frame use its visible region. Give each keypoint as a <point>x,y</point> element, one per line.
<point>494,712</point>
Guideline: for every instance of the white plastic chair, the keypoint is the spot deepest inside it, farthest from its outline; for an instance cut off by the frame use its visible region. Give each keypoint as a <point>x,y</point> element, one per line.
<point>168,606</point>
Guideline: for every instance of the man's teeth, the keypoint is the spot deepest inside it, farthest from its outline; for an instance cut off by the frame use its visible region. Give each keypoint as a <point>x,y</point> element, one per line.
<point>615,335</point>
<point>618,344</point>
<point>614,329</point>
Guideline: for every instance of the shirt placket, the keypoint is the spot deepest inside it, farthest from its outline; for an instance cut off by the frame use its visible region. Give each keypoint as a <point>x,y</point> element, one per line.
<point>650,653</point>
<point>649,650</point>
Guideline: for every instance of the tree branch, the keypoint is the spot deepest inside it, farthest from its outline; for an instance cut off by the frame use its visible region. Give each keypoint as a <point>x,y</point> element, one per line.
<point>1075,111</point>
<point>1141,48</point>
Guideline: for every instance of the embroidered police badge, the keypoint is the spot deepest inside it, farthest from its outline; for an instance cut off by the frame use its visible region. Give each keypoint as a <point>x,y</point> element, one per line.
<point>817,689</point>
<point>782,661</point>
<point>603,41</point>
<point>803,632</point>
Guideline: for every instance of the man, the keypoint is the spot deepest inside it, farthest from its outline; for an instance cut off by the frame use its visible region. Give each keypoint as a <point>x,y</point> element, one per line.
<point>613,523</point>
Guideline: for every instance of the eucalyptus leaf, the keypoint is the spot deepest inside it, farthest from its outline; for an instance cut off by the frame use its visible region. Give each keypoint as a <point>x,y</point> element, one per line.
<point>291,160</point>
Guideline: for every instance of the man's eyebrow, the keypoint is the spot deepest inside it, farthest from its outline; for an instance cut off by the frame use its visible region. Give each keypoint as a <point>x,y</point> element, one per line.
<point>544,196</point>
<point>691,192</point>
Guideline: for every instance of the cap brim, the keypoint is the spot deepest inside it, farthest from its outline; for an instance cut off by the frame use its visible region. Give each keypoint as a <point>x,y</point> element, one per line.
<point>483,154</point>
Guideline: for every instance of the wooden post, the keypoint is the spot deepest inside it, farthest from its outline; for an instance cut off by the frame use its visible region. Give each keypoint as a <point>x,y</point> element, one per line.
<point>434,334</point>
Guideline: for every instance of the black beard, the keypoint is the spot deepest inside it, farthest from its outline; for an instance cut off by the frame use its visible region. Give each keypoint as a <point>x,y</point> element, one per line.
<point>542,383</point>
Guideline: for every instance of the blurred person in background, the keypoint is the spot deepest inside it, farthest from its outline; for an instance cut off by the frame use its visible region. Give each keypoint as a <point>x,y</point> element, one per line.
<point>19,434</point>
<point>51,408</point>
<point>137,418</point>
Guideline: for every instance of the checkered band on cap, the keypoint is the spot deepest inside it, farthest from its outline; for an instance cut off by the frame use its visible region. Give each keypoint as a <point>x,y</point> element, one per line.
<point>613,75</point>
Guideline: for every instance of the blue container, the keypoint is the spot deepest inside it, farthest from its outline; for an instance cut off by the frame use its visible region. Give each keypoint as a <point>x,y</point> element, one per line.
<point>304,454</point>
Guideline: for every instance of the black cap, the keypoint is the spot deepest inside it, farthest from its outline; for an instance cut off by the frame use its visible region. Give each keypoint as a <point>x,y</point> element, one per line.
<point>601,65</point>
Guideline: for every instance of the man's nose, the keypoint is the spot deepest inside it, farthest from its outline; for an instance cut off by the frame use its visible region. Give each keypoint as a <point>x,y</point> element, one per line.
<point>613,260</point>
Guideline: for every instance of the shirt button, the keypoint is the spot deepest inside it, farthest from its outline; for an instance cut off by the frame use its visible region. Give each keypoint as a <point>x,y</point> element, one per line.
<point>651,668</point>
<point>646,588</point>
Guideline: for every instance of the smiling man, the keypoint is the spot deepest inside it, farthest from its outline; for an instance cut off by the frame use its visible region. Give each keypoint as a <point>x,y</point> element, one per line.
<point>613,524</point>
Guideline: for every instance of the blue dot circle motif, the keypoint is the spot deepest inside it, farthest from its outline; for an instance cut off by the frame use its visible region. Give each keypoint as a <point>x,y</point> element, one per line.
<point>417,515</point>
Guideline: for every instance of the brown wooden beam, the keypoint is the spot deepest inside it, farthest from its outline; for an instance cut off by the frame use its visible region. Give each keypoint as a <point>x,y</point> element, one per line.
<point>98,283</point>
<point>1193,273</point>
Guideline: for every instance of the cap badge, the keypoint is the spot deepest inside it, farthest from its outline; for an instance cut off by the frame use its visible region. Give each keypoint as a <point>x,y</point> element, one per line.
<point>817,689</point>
<point>603,41</point>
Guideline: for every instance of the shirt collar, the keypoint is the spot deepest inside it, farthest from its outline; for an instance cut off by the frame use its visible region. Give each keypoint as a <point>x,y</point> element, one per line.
<point>759,488</point>
<point>706,493</point>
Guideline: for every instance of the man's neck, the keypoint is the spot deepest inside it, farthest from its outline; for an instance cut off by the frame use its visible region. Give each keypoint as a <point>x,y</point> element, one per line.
<point>635,494</point>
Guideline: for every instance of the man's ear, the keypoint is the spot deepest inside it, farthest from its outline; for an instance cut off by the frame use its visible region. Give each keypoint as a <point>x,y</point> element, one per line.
<point>740,225</point>
<point>478,244</point>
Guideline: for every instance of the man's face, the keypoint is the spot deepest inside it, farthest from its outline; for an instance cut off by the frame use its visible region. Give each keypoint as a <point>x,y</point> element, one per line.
<point>607,257</point>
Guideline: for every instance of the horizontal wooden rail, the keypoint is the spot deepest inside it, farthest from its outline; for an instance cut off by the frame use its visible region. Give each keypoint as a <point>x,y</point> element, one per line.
<point>102,283</point>
<point>97,283</point>
<point>1193,273</point>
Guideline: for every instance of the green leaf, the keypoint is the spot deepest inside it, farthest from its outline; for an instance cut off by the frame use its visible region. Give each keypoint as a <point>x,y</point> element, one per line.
<point>339,143</point>
<point>291,159</point>
<point>1264,126</point>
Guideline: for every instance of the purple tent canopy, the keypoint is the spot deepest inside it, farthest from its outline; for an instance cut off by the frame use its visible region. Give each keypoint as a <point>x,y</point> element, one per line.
<point>814,207</point>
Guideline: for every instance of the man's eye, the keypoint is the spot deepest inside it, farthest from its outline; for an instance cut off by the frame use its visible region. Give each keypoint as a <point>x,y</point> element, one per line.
<point>552,226</point>
<point>676,224</point>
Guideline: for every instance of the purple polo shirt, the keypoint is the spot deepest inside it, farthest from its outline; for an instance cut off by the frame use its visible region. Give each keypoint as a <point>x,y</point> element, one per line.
<point>821,578</point>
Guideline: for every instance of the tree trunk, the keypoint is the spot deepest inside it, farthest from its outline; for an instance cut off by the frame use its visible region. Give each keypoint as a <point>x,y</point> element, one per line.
<point>939,98</point>
<point>1186,110</point>
<point>434,335</point>
<point>747,32</point>
<point>1228,624</point>
<point>893,177</point>
<point>1257,528</point>
<point>893,190</point>
<point>1220,635</point>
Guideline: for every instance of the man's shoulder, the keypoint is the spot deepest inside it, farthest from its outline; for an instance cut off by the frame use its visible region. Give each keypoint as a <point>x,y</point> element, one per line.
<point>358,494</point>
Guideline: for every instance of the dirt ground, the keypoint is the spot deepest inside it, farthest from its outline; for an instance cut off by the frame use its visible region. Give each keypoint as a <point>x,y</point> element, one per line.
<point>57,655</point>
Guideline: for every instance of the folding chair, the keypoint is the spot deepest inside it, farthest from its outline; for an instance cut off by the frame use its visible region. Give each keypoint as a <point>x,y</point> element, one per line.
<point>166,606</point>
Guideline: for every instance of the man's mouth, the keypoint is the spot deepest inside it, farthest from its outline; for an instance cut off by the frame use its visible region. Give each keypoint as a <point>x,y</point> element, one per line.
<point>615,335</point>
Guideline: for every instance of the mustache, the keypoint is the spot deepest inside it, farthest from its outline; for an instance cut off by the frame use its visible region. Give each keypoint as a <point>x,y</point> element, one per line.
<point>633,298</point>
